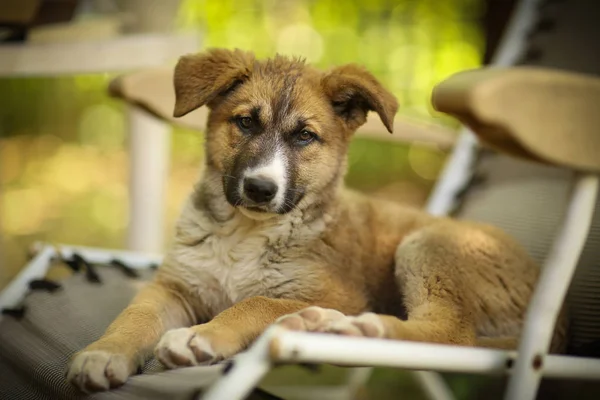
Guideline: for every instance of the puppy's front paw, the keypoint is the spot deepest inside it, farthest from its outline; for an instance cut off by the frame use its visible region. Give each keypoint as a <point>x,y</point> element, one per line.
<point>367,325</point>
<point>311,319</point>
<point>184,347</point>
<point>317,319</point>
<point>98,370</point>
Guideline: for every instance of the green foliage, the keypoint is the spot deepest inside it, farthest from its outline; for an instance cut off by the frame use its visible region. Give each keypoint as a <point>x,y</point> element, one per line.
<point>410,45</point>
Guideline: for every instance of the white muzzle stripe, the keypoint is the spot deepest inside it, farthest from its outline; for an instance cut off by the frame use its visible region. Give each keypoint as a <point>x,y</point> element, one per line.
<point>276,170</point>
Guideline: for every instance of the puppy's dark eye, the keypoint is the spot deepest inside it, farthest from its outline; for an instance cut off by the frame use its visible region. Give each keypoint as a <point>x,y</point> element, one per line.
<point>245,123</point>
<point>304,137</point>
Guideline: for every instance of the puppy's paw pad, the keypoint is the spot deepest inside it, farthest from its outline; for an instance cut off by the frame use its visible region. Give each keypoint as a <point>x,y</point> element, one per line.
<point>311,319</point>
<point>183,347</point>
<point>293,322</point>
<point>370,325</point>
<point>94,371</point>
<point>365,325</point>
<point>343,327</point>
<point>202,350</point>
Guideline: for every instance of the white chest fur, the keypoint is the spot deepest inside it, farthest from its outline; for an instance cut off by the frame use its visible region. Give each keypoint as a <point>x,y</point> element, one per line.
<point>227,262</point>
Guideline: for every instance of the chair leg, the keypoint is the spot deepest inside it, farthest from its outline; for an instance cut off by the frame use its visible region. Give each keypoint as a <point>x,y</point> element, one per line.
<point>149,144</point>
<point>552,288</point>
<point>434,386</point>
<point>357,379</point>
<point>455,175</point>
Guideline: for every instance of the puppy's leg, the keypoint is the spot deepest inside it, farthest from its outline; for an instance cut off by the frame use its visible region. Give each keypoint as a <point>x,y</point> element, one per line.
<point>453,277</point>
<point>129,340</point>
<point>228,333</point>
<point>429,266</point>
<point>503,343</point>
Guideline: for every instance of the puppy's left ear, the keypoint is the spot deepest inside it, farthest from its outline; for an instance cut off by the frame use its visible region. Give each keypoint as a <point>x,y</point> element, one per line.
<point>354,91</point>
<point>202,78</point>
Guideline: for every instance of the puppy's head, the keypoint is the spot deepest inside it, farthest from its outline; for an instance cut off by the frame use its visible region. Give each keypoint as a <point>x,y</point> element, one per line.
<point>278,129</point>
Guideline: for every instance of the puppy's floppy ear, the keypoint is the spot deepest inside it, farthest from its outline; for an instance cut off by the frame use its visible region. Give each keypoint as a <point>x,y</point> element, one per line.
<point>354,91</point>
<point>200,78</point>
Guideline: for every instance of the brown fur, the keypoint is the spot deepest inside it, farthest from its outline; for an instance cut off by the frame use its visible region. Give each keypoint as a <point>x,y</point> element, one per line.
<point>429,279</point>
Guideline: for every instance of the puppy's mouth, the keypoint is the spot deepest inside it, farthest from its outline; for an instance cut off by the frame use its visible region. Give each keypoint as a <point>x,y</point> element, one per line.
<point>256,208</point>
<point>244,197</point>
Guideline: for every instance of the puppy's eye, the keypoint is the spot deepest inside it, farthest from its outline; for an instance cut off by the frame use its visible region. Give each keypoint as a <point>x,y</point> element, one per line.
<point>245,123</point>
<point>304,137</point>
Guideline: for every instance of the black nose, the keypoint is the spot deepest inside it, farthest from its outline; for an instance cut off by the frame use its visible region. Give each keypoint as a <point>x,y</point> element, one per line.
<point>260,190</point>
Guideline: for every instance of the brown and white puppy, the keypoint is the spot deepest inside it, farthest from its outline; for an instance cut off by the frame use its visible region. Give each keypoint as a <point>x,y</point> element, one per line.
<point>270,234</point>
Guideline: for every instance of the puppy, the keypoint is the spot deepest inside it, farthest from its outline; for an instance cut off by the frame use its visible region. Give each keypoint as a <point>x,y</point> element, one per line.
<point>269,234</point>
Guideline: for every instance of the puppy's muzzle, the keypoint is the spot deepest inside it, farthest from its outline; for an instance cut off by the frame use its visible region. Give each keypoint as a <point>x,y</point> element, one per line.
<point>260,191</point>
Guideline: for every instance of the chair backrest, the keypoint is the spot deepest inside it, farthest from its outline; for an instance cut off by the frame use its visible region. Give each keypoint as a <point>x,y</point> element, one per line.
<point>528,200</point>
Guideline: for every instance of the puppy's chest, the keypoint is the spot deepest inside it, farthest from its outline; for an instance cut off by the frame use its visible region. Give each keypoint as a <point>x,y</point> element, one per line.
<point>225,268</point>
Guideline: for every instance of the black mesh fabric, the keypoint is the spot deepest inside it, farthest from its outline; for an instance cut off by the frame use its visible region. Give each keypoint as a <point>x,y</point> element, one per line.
<point>35,348</point>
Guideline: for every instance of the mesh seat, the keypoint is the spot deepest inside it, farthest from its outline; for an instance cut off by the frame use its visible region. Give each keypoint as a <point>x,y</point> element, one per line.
<point>35,347</point>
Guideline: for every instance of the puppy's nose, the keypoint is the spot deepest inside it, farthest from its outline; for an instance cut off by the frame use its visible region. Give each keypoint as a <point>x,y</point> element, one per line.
<point>260,190</point>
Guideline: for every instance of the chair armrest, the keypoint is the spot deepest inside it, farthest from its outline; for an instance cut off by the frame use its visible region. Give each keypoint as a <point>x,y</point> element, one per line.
<point>152,90</point>
<point>536,113</point>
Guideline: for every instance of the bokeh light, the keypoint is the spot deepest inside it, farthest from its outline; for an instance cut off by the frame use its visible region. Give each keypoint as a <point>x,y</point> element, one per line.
<point>301,39</point>
<point>103,127</point>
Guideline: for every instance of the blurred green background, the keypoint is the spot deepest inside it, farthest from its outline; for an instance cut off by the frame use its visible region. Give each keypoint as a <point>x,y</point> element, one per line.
<point>63,141</point>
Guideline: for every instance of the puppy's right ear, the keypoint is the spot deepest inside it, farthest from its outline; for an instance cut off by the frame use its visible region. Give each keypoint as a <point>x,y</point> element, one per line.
<point>200,78</point>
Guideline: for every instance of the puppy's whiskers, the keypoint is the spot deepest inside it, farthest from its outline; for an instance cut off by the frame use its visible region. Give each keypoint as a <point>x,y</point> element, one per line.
<point>288,204</point>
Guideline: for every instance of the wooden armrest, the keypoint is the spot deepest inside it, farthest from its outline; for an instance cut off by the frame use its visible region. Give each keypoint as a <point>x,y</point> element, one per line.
<point>540,114</point>
<point>152,90</point>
